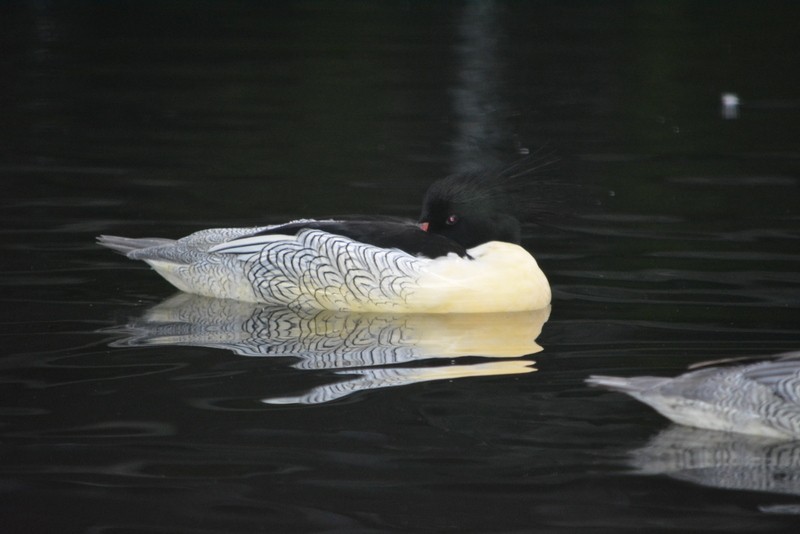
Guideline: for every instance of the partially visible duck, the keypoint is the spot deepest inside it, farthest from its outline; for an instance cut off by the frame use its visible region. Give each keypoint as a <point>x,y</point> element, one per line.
<point>761,398</point>
<point>463,256</point>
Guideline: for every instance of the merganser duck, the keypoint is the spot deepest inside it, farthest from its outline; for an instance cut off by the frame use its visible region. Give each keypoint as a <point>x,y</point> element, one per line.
<point>463,256</point>
<point>760,398</point>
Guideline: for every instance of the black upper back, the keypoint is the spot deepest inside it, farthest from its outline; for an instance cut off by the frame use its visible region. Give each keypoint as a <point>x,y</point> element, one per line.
<point>380,232</point>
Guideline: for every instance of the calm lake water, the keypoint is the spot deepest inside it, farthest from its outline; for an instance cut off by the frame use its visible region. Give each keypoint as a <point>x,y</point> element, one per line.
<point>670,235</point>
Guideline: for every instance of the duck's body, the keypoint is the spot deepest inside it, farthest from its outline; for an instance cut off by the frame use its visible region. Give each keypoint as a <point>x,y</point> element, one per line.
<point>317,269</point>
<point>460,258</point>
<point>759,398</point>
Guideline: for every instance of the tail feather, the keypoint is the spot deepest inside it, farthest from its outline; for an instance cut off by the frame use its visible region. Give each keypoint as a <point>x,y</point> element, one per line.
<point>126,245</point>
<point>626,385</point>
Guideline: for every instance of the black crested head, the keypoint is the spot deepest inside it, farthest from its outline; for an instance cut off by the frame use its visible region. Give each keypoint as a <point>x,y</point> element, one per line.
<point>475,208</point>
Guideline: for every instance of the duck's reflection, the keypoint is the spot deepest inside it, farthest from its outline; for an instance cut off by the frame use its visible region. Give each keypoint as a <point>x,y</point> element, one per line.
<point>363,344</point>
<point>724,460</point>
<point>364,379</point>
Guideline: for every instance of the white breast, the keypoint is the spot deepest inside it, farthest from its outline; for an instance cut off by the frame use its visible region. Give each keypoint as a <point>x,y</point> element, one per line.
<point>499,277</point>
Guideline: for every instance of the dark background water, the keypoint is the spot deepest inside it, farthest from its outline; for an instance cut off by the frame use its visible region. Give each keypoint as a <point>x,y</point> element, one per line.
<point>670,237</point>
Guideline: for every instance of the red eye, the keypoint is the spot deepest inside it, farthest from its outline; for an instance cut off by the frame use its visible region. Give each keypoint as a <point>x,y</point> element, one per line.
<point>451,220</point>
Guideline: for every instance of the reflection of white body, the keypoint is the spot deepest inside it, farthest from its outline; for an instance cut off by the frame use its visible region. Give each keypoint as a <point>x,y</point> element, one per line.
<point>369,348</point>
<point>759,398</point>
<point>366,379</point>
<point>334,340</point>
<point>722,460</point>
<point>319,270</point>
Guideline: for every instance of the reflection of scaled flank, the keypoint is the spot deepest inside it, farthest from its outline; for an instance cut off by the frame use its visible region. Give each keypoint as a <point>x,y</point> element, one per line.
<point>356,342</point>
<point>722,460</point>
<point>382,378</point>
<point>334,340</point>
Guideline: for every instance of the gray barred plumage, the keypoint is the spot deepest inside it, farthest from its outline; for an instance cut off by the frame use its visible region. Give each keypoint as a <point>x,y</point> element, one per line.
<point>760,398</point>
<point>319,270</point>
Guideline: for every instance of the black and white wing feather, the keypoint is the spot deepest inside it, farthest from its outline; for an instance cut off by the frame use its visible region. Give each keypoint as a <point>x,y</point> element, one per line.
<point>317,269</point>
<point>781,375</point>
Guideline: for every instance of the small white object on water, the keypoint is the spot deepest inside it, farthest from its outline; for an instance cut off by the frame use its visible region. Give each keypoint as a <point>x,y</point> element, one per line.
<point>730,105</point>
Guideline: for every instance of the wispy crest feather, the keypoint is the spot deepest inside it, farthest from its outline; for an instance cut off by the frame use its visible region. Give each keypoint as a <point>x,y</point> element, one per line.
<point>505,188</point>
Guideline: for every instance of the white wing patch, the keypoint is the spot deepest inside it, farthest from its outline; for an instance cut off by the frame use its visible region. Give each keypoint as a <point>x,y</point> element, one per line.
<point>248,246</point>
<point>316,269</point>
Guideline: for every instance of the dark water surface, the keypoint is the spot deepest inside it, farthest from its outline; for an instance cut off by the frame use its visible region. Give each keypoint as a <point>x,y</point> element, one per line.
<point>671,236</point>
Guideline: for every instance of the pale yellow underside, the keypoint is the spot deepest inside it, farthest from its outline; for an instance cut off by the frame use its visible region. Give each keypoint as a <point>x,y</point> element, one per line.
<point>501,277</point>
